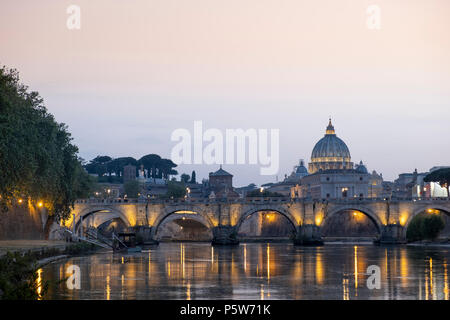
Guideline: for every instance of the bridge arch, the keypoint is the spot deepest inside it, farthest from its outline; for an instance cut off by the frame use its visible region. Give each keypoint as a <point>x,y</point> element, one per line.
<point>108,214</point>
<point>424,208</point>
<point>277,209</point>
<point>171,215</point>
<point>366,211</point>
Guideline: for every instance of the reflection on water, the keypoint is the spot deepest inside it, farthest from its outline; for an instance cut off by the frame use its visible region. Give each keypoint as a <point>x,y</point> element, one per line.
<point>256,271</point>
<point>39,283</point>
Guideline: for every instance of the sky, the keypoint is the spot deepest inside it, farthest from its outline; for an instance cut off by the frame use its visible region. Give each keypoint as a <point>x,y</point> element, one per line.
<point>137,70</point>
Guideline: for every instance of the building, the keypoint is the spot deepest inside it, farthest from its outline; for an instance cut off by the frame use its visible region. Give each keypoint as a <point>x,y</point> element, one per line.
<point>221,184</point>
<point>421,189</point>
<point>129,173</point>
<point>332,174</point>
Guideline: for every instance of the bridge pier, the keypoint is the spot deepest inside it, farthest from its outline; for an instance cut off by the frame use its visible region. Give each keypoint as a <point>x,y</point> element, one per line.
<point>144,234</point>
<point>224,235</point>
<point>392,234</point>
<point>308,235</point>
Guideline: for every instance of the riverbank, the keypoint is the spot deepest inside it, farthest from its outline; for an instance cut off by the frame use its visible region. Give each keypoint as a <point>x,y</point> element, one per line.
<point>31,245</point>
<point>44,251</point>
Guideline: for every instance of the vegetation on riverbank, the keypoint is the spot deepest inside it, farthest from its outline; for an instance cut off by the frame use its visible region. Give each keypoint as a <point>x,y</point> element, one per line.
<point>425,227</point>
<point>40,165</point>
<point>19,276</point>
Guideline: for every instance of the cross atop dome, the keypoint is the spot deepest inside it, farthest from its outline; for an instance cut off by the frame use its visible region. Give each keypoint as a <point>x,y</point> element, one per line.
<point>330,128</point>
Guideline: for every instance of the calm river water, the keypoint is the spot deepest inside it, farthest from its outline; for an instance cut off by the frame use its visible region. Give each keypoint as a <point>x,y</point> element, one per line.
<point>257,271</point>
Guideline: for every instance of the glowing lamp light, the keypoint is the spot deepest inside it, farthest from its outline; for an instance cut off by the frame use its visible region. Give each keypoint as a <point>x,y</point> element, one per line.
<point>20,200</point>
<point>40,204</point>
<point>402,221</point>
<point>318,221</point>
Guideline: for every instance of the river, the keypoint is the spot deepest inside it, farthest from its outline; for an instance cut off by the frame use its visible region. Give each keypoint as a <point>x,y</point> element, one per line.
<point>256,271</point>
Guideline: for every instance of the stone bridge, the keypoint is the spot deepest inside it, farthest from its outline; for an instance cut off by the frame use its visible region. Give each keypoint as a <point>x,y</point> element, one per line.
<point>224,217</point>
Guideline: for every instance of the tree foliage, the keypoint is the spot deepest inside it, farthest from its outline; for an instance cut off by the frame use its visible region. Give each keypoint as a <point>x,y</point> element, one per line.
<point>19,278</point>
<point>132,188</point>
<point>156,166</point>
<point>37,158</point>
<point>184,178</point>
<point>425,226</point>
<point>441,176</point>
<point>175,189</point>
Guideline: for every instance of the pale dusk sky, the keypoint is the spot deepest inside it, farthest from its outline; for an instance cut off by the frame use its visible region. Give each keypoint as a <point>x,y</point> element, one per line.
<point>139,69</point>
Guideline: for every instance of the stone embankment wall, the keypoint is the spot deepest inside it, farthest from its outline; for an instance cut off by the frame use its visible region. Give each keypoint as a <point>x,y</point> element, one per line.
<point>22,222</point>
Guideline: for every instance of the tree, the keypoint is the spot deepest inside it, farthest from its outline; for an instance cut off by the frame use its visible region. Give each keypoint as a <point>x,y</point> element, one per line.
<point>116,165</point>
<point>184,178</point>
<point>132,188</point>
<point>432,225</point>
<point>150,162</point>
<point>99,166</point>
<point>425,226</point>
<point>193,177</point>
<point>175,189</point>
<point>441,176</point>
<point>19,278</point>
<point>37,158</point>
<point>166,168</point>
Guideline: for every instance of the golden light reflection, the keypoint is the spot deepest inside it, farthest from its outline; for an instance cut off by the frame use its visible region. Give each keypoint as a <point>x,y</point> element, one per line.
<point>356,267</point>
<point>212,255</point>
<point>386,260</point>
<point>345,289</point>
<point>122,283</point>
<point>183,269</point>
<point>445,281</point>
<point>39,283</point>
<point>168,269</point>
<point>261,291</point>
<point>319,268</point>
<point>268,262</point>
<point>404,267</point>
<point>149,264</point>
<point>432,287</point>
<point>245,257</point>
<point>108,288</point>
<point>188,291</point>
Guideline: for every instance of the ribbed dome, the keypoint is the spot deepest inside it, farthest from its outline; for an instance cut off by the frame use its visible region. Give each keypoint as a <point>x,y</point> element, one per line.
<point>330,153</point>
<point>330,146</point>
